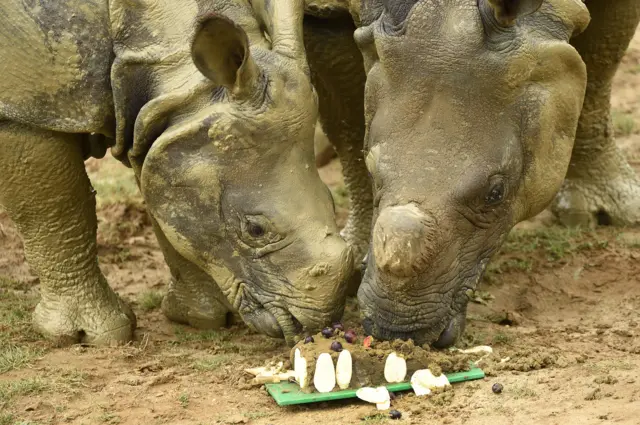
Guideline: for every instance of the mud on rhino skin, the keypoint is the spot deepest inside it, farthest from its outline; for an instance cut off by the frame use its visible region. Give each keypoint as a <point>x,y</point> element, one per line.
<point>217,123</point>
<point>478,113</point>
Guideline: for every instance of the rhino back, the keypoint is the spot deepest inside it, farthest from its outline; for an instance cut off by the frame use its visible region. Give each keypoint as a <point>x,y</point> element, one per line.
<point>54,71</point>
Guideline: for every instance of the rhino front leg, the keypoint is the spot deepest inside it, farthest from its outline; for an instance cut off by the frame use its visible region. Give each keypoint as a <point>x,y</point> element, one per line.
<point>337,72</point>
<point>601,187</point>
<point>193,297</point>
<point>46,191</point>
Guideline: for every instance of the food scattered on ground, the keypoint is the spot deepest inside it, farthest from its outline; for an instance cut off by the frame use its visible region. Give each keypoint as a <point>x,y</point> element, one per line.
<point>379,396</point>
<point>497,388</point>
<point>395,414</point>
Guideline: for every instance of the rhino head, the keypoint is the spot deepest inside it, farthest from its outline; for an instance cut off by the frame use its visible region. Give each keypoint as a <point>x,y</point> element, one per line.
<point>471,111</point>
<point>230,179</point>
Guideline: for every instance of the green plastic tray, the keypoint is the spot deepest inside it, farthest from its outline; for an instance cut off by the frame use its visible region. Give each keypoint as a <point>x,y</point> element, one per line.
<point>288,393</point>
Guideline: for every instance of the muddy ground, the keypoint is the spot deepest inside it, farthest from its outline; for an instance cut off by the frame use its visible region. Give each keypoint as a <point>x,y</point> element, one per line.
<point>563,306</point>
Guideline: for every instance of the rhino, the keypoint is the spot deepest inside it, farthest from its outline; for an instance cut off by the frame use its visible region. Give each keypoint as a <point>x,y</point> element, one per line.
<point>210,103</point>
<point>480,114</point>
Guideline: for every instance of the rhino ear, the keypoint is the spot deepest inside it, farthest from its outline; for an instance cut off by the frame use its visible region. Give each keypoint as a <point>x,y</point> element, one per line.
<point>507,11</point>
<point>220,51</point>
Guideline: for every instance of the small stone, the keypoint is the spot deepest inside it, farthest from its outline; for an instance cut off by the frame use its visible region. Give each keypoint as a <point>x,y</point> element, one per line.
<point>395,414</point>
<point>497,388</point>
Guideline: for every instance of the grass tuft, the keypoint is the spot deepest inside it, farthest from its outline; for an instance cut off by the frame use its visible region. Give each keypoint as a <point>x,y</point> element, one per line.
<point>21,387</point>
<point>623,124</point>
<point>150,300</point>
<point>15,357</point>
<point>211,363</point>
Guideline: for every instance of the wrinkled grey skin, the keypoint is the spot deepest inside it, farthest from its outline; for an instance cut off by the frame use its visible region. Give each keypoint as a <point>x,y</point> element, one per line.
<point>217,122</point>
<point>475,115</point>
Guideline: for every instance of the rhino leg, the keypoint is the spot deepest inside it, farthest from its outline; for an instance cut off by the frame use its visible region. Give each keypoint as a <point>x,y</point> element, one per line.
<point>46,191</point>
<point>601,187</point>
<point>337,72</point>
<point>193,297</point>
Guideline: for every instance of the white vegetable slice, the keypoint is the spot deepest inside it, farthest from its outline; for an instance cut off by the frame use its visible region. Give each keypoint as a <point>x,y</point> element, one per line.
<point>478,349</point>
<point>384,406</point>
<point>395,368</point>
<point>324,378</point>
<point>423,382</point>
<point>379,396</point>
<point>300,369</point>
<point>344,369</point>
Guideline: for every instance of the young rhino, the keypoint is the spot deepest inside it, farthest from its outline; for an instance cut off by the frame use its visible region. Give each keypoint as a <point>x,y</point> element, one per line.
<point>217,124</point>
<point>478,113</point>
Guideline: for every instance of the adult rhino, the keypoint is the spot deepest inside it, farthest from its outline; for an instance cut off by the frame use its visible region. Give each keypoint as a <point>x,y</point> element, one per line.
<point>480,113</point>
<point>215,115</point>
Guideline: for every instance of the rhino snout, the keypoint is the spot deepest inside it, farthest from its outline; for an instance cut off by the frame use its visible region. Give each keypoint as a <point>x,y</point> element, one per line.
<point>403,240</point>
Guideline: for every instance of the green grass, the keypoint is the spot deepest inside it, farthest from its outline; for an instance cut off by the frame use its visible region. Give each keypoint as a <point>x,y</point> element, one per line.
<point>256,415</point>
<point>623,124</point>
<point>150,300</point>
<point>15,357</point>
<point>375,419</point>
<point>211,363</point>
<point>114,183</point>
<point>6,419</point>
<point>502,339</point>
<point>182,335</point>
<point>22,387</point>
<point>184,400</point>
<point>16,307</point>
<point>554,242</point>
<point>340,197</point>
<point>109,418</point>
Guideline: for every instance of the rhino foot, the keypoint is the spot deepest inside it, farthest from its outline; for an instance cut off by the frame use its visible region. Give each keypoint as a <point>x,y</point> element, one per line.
<point>195,306</point>
<point>614,201</point>
<point>98,318</point>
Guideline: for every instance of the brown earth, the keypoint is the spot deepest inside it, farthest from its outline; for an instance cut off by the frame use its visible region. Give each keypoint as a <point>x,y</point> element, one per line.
<point>562,306</point>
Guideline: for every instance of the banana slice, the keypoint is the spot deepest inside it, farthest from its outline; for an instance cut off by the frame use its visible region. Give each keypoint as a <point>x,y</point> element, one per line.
<point>324,378</point>
<point>344,369</point>
<point>395,368</point>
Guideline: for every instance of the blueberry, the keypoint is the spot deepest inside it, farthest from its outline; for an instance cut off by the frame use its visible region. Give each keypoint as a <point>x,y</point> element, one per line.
<point>327,332</point>
<point>336,346</point>
<point>497,388</point>
<point>337,326</point>
<point>394,414</point>
<point>350,336</point>
<point>309,339</point>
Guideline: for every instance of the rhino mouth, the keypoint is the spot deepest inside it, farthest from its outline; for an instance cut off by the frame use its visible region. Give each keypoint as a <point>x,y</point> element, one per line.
<point>271,320</point>
<point>447,322</point>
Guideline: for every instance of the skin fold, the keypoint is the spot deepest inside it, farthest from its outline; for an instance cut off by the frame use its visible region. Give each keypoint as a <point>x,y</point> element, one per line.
<point>217,120</point>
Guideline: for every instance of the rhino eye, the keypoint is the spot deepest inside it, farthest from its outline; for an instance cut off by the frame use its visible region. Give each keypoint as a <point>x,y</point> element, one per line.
<point>255,230</point>
<point>495,194</point>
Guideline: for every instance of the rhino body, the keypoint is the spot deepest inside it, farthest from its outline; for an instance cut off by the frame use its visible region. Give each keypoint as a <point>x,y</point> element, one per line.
<point>217,120</point>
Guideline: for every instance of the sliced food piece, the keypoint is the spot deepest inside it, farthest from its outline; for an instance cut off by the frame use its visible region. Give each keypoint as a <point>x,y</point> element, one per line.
<point>373,395</point>
<point>324,378</point>
<point>300,369</point>
<point>344,369</point>
<point>395,368</point>
<point>424,382</point>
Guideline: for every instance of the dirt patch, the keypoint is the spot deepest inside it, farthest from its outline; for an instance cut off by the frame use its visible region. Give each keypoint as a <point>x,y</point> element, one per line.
<point>561,309</point>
